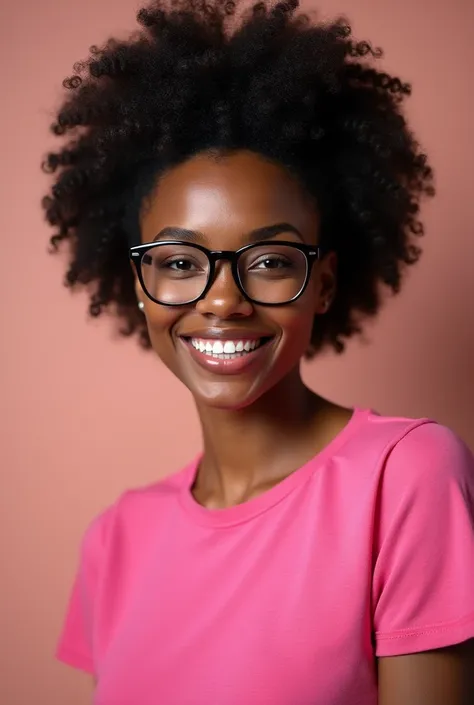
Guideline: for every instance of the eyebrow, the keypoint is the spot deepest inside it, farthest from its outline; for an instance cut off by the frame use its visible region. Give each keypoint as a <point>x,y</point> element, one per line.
<point>259,234</point>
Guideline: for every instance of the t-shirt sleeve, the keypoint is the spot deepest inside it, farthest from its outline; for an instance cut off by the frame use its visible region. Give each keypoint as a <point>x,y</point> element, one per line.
<point>423,577</point>
<point>75,646</point>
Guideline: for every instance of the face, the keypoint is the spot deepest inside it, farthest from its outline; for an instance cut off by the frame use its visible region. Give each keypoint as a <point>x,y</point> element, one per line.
<point>226,203</point>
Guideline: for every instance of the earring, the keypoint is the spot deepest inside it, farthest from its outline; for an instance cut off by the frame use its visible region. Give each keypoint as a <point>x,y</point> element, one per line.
<point>141,306</point>
<point>326,304</point>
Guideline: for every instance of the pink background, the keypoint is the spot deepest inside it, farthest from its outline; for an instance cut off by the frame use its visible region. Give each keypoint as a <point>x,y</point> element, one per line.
<point>84,417</point>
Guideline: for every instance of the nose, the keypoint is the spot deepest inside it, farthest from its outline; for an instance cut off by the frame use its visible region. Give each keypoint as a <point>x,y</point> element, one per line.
<point>224,299</point>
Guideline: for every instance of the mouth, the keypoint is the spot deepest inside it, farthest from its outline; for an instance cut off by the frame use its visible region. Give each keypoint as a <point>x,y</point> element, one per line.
<point>226,349</point>
<point>227,356</point>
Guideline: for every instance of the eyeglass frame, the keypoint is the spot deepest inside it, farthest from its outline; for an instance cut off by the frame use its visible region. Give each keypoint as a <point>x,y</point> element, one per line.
<point>312,254</point>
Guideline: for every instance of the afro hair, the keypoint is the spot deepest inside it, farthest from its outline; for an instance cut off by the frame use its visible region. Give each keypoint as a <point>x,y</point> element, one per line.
<point>200,75</point>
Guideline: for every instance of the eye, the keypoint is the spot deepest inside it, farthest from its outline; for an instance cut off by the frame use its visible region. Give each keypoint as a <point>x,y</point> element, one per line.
<point>271,262</point>
<point>179,264</point>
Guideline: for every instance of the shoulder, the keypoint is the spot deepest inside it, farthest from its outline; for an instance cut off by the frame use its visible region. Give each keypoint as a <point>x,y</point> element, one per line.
<point>426,478</point>
<point>429,454</point>
<point>135,511</point>
<point>406,449</point>
<point>409,464</point>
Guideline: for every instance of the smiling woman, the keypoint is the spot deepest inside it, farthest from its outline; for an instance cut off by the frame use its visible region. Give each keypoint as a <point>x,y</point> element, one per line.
<point>238,189</point>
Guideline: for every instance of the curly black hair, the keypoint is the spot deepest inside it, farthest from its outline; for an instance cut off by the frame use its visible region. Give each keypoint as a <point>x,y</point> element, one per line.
<point>201,76</point>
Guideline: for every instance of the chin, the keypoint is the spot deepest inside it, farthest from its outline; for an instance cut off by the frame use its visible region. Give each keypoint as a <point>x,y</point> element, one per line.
<point>225,400</point>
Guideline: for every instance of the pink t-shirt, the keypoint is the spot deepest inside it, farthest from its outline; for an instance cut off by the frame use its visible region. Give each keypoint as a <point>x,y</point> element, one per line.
<point>367,550</point>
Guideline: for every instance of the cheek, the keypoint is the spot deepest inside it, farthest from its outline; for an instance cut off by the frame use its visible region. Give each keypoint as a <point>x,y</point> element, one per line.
<point>160,322</point>
<point>296,324</point>
<point>297,330</point>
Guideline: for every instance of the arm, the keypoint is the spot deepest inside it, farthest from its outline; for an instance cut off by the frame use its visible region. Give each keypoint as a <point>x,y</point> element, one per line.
<point>439,677</point>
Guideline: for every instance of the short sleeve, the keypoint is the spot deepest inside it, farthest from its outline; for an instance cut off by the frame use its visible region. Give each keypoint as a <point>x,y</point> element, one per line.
<point>423,577</point>
<point>75,646</point>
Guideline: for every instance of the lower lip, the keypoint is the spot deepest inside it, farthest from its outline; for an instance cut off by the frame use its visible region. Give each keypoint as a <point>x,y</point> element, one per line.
<point>230,366</point>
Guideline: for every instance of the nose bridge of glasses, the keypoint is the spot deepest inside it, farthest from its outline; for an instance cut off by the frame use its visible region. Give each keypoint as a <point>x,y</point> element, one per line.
<point>223,295</point>
<point>223,271</point>
<point>223,255</point>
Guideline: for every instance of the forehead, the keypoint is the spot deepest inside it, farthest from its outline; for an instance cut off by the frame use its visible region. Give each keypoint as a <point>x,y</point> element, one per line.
<point>227,197</point>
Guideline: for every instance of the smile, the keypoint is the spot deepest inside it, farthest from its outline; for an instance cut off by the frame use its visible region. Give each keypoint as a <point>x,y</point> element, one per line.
<point>231,356</point>
<point>226,349</point>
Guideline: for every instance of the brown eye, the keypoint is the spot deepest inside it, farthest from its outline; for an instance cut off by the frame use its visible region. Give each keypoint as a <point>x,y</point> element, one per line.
<point>271,262</point>
<point>183,265</point>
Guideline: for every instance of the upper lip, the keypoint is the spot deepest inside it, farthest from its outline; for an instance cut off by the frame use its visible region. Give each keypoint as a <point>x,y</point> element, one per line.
<point>225,334</point>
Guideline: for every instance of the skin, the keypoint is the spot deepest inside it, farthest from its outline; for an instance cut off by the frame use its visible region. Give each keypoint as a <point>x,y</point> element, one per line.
<point>284,423</point>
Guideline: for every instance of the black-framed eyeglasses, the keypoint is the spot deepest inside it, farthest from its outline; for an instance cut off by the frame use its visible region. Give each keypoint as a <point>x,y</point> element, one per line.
<point>270,273</point>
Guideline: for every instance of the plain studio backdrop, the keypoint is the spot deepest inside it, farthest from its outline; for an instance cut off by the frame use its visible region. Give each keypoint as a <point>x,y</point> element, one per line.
<point>85,416</point>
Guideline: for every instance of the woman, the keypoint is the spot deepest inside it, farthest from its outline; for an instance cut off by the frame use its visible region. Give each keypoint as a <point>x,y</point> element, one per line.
<point>238,189</point>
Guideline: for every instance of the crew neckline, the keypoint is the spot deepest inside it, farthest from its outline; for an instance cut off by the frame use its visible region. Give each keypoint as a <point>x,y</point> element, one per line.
<point>241,513</point>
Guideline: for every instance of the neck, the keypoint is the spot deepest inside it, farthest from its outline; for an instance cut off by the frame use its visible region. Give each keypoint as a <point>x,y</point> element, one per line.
<point>253,447</point>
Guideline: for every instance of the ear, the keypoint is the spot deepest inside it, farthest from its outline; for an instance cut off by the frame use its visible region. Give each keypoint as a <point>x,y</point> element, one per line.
<point>139,290</point>
<point>138,287</point>
<point>327,283</point>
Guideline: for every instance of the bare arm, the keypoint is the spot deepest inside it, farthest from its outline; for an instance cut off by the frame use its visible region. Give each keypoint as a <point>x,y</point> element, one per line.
<point>439,677</point>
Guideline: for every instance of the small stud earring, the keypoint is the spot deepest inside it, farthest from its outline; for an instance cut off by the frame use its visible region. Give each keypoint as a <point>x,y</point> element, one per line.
<point>326,304</point>
<point>141,306</point>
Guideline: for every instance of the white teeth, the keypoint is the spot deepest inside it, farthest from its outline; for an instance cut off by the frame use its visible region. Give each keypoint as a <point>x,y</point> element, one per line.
<point>227,349</point>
